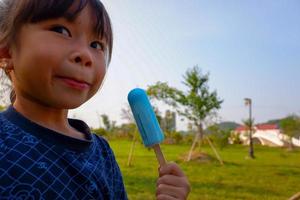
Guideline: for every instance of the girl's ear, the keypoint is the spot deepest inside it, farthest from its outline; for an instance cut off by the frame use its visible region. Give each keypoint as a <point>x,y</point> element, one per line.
<point>5,60</point>
<point>4,53</point>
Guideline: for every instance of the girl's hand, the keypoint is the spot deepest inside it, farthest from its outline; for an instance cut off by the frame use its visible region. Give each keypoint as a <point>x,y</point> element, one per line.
<point>172,183</point>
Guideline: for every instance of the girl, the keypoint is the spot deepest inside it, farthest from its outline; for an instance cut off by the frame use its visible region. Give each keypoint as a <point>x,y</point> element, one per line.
<point>56,54</point>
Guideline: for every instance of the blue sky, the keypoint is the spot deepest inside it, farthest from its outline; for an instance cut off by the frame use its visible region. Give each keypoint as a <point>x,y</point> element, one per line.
<point>250,48</point>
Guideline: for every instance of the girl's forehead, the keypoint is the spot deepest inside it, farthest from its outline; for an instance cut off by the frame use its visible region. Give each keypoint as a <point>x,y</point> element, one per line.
<point>87,18</point>
<point>91,13</point>
<point>35,11</point>
<point>77,8</point>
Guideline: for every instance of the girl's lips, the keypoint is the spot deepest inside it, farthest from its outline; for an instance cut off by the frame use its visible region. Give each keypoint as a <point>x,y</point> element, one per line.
<point>80,85</point>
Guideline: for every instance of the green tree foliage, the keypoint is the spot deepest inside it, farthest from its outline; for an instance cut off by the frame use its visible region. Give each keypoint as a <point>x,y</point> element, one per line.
<point>100,131</point>
<point>291,127</point>
<point>249,126</point>
<point>248,123</point>
<point>196,104</point>
<point>234,138</point>
<point>158,115</point>
<point>108,125</point>
<point>168,122</point>
<point>219,136</point>
<point>128,130</point>
<point>2,108</point>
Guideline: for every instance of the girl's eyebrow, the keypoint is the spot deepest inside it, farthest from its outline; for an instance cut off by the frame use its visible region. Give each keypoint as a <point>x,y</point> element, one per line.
<point>95,33</point>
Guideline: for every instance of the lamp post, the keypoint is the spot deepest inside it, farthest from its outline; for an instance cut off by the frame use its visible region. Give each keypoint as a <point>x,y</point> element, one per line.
<point>248,102</point>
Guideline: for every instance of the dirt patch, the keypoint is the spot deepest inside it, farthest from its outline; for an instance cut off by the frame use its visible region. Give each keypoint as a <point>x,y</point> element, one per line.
<point>197,156</point>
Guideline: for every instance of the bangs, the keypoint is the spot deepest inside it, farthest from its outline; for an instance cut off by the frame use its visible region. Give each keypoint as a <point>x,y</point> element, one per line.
<point>34,11</point>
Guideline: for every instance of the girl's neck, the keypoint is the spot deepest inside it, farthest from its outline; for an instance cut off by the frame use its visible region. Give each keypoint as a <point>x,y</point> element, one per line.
<point>52,118</point>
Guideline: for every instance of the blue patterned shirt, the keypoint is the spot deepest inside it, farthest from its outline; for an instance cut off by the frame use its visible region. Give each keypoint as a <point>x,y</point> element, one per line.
<point>39,163</point>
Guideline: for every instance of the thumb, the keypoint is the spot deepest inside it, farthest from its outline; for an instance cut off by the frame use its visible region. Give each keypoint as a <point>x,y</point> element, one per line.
<point>171,168</point>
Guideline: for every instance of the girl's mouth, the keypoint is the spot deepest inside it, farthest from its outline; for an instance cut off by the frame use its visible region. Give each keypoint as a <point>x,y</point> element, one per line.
<point>74,83</point>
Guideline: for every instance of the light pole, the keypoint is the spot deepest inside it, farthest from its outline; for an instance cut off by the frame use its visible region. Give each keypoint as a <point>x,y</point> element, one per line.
<point>248,102</point>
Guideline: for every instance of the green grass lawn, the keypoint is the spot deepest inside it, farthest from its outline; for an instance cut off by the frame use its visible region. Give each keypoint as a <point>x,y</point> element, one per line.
<point>274,174</point>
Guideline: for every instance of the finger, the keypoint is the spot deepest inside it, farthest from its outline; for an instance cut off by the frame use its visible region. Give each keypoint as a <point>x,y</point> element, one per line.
<point>175,192</point>
<point>173,180</point>
<point>171,168</point>
<point>165,197</point>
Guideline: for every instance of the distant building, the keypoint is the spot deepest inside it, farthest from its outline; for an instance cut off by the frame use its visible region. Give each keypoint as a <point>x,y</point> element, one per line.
<point>265,134</point>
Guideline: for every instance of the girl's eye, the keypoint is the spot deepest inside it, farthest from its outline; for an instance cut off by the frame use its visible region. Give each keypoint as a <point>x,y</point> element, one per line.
<point>97,45</point>
<point>61,30</point>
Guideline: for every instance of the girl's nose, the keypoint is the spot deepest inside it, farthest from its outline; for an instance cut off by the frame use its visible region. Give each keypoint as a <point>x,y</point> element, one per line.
<point>82,56</point>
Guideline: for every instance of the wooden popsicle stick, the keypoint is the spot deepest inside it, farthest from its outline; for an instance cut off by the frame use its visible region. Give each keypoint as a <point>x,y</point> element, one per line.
<point>159,155</point>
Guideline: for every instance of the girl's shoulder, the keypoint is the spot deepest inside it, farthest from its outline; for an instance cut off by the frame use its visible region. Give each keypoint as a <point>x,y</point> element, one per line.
<point>6,126</point>
<point>100,140</point>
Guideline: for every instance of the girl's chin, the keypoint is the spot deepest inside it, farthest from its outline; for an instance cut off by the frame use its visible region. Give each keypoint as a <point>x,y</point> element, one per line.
<point>65,105</point>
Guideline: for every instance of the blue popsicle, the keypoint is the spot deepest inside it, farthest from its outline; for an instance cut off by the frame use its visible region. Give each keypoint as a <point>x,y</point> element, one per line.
<point>146,121</point>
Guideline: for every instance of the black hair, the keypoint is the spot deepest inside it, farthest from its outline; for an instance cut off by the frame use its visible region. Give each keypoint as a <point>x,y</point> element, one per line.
<point>15,13</point>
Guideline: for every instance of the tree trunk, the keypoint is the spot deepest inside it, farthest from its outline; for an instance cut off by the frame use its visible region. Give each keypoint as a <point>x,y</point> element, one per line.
<point>198,136</point>
<point>291,146</point>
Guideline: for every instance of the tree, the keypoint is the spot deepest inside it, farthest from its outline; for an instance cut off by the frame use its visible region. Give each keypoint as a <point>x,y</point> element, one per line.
<point>126,114</point>
<point>291,127</point>
<point>130,125</point>
<point>197,104</point>
<point>108,125</point>
<point>168,123</point>
<point>2,108</point>
<point>219,136</point>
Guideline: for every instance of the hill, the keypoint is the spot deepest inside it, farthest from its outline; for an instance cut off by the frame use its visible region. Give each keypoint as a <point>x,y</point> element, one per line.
<point>228,125</point>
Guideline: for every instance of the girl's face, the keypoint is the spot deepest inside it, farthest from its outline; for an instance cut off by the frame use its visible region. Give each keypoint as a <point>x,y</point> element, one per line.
<point>58,63</point>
